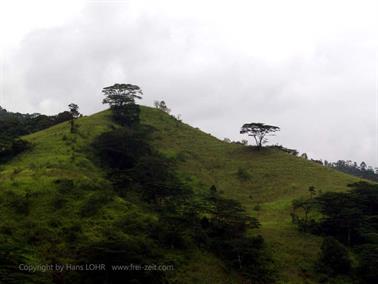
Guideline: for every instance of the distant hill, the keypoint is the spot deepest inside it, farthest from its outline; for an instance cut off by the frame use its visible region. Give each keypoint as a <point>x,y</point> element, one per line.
<point>44,190</point>
<point>363,171</point>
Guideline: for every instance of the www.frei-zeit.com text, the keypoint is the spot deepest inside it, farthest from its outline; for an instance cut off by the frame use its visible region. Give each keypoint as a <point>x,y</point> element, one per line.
<point>94,267</point>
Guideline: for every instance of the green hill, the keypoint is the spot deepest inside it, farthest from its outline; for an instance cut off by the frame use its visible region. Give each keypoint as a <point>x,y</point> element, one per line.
<point>40,209</point>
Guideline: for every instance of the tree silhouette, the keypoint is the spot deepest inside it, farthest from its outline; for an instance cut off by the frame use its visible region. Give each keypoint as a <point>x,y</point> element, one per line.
<point>121,98</point>
<point>259,131</point>
<point>74,112</point>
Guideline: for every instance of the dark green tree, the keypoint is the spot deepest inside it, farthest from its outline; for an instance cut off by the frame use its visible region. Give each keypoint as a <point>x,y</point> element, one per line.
<point>368,263</point>
<point>74,112</point>
<point>334,258</point>
<point>121,98</point>
<point>342,216</point>
<point>312,191</point>
<point>228,228</point>
<point>259,131</point>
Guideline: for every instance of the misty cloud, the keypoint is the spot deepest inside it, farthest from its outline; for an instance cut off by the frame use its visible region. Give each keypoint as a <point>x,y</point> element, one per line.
<point>321,92</point>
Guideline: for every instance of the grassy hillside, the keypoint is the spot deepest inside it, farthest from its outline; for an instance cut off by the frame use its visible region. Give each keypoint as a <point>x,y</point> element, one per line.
<point>45,216</point>
<point>36,205</point>
<point>275,179</point>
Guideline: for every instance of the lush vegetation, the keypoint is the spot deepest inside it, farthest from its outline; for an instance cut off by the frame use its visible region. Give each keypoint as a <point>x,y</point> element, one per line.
<point>183,219</point>
<point>348,220</point>
<point>83,197</point>
<point>14,125</point>
<point>352,168</point>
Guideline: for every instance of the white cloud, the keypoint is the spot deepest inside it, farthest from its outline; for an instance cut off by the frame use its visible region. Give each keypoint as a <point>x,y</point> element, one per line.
<point>308,66</point>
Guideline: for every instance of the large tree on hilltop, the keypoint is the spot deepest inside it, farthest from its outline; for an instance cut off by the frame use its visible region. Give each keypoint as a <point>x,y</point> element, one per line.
<point>121,98</point>
<point>120,95</point>
<point>259,131</point>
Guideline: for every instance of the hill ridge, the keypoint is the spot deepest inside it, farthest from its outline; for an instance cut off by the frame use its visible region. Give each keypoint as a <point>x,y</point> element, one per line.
<point>265,182</point>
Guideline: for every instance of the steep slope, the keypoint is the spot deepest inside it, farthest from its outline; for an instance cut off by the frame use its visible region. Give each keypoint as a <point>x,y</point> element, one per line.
<point>55,197</point>
<point>270,180</point>
<point>274,179</point>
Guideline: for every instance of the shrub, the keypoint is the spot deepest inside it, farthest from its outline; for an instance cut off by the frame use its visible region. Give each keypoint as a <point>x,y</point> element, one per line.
<point>59,201</point>
<point>243,174</point>
<point>11,150</point>
<point>95,203</point>
<point>334,258</point>
<point>257,207</point>
<point>64,185</point>
<point>368,263</point>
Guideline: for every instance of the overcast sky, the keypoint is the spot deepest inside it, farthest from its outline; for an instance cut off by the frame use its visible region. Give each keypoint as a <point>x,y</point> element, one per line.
<point>309,67</point>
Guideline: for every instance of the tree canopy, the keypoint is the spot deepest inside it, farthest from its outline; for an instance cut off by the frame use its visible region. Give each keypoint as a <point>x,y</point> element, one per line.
<point>74,112</point>
<point>259,131</point>
<point>121,98</point>
<point>120,95</point>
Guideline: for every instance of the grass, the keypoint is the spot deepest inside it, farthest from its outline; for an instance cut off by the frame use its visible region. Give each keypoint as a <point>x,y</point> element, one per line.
<point>275,178</point>
<point>270,179</point>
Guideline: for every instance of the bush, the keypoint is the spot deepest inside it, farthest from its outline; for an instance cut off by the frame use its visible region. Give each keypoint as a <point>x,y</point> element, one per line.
<point>243,174</point>
<point>334,258</point>
<point>16,147</point>
<point>95,203</point>
<point>121,148</point>
<point>368,263</point>
<point>20,204</point>
<point>64,185</point>
<point>11,256</point>
<point>134,251</point>
<point>59,201</point>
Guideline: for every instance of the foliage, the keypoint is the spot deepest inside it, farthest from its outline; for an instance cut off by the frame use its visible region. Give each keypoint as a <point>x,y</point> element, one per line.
<point>136,167</point>
<point>121,253</point>
<point>14,125</point>
<point>243,174</point>
<point>334,258</point>
<point>259,131</point>
<point>368,263</point>
<point>348,218</point>
<point>227,227</point>
<point>277,179</point>
<point>121,98</point>
<point>121,148</point>
<point>11,256</point>
<point>353,168</point>
<point>293,152</point>
<point>16,147</point>
<point>74,112</point>
<point>161,105</point>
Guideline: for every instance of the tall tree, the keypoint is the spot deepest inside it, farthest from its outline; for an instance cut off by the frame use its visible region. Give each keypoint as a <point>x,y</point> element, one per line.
<point>259,131</point>
<point>74,112</point>
<point>121,98</point>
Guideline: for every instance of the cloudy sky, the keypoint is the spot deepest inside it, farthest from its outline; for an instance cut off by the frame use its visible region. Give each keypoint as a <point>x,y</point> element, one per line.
<point>308,66</point>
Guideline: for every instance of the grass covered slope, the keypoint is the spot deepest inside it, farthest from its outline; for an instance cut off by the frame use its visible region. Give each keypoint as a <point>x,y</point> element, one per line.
<point>41,208</point>
<point>265,182</point>
<point>54,197</point>
<point>48,194</point>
